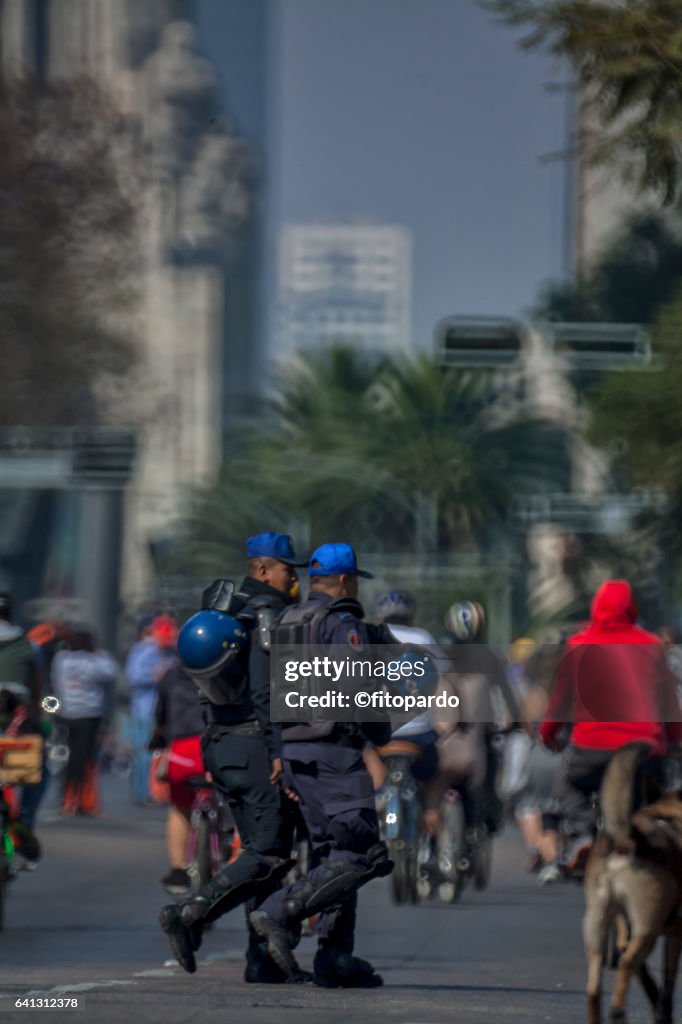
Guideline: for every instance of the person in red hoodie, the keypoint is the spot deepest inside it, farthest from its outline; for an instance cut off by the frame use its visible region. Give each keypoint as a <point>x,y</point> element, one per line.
<point>612,687</point>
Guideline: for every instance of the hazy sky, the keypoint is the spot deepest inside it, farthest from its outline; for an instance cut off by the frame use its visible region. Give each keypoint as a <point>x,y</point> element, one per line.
<point>422,113</point>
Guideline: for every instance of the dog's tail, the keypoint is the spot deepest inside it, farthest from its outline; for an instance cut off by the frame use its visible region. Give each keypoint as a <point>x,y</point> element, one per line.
<point>617,793</point>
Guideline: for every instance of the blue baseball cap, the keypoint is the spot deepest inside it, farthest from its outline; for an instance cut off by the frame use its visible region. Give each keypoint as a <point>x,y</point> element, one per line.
<point>336,560</point>
<point>273,545</point>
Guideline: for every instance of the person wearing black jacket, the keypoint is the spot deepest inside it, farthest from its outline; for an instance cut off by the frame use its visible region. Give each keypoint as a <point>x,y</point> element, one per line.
<point>179,724</point>
<point>242,751</point>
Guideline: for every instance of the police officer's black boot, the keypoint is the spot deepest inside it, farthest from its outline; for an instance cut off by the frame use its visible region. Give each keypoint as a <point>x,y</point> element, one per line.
<point>260,968</point>
<point>326,887</point>
<point>280,943</point>
<point>184,922</point>
<point>185,940</point>
<point>334,965</point>
<point>335,969</point>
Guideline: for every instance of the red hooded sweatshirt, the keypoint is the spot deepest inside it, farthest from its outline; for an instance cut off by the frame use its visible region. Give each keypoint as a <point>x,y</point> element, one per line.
<point>613,683</point>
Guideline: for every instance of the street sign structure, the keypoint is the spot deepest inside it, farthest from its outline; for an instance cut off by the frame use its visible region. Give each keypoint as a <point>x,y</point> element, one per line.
<point>599,346</point>
<point>479,341</point>
<point>504,342</point>
<point>66,458</point>
<point>594,513</point>
<point>86,471</point>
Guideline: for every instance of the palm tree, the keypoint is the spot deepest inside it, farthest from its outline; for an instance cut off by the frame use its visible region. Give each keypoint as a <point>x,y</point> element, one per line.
<point>628,57</point>
<point>395,456</point>
<point>454,447</point>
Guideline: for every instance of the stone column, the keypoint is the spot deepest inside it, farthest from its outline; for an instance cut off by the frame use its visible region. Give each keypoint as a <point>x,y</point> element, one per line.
<point>97,576</point>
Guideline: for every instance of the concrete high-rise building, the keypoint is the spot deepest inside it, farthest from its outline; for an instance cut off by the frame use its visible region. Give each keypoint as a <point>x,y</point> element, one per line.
<point>599,201</point>
<point>237,35</point>
<point>198,352</point>
<point>345,283</point>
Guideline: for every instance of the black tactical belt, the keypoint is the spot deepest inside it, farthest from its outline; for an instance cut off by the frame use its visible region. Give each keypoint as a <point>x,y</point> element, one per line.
<point>237,729</point>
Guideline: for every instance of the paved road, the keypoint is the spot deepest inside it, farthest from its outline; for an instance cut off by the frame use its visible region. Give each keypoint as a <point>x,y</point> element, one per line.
<point>84,925</point>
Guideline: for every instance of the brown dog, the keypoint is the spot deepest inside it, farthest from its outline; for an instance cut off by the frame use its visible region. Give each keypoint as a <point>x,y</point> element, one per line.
<point>634,874</point>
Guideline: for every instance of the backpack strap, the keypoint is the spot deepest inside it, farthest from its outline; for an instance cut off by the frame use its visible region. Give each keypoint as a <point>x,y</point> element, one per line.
<point>265,619</point>
<point>347,607</point>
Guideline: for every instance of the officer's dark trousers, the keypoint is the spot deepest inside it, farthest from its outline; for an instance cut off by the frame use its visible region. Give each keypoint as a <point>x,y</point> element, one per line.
<point>337,803</point>
<point>241,769</point>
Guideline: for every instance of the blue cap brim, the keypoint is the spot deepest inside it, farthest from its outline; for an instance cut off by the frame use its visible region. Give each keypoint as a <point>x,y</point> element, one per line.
<point>297,562</point>
<point>340,572</point>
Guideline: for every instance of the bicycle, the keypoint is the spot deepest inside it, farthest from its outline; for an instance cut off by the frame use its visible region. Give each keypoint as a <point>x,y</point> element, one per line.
<point>7,866</point>
<point>212,838</point>
<point>456,856</point>
<point>57,749</point>
<point>20,760</point>
<point>400,818</point>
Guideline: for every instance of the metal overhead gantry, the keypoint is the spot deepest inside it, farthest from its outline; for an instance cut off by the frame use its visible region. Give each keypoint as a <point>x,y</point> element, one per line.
<point>92,467</point>
<point>500,343</point>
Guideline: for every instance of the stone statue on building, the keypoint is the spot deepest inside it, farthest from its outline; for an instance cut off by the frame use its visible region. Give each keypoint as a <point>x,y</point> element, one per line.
<point>181,99</point>
<point>216,195</point>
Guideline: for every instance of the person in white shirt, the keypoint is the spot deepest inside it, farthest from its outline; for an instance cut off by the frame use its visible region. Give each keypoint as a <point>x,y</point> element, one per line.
<point>84,681</point>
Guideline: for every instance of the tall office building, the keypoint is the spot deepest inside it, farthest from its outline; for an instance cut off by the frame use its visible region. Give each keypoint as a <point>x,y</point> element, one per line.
<point>599,201</point>
<point>345,283</point>
<point>237,36</point>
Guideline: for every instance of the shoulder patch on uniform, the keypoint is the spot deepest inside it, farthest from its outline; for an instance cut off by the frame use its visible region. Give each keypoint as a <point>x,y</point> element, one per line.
<point>355,640</point>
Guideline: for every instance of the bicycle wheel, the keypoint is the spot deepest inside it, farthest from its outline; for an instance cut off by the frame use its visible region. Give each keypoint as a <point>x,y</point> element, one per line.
<point>204,860</point>
<point>4,861</point>
<point>3,891</point>
<point>404,852</point>
<point>482,862</point>
<point>450,847</point>
<point>57,750</point>
<point>400,876</point>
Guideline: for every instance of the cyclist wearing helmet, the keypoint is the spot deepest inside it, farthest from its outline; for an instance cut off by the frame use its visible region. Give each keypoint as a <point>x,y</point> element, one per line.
<point>486,696</point>
<point>396,611</point>
<point>465,622</point>
<point>397,607</point>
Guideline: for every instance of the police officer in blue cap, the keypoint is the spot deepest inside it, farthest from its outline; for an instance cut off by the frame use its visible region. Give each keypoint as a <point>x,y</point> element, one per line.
<point>225,648</point>
<point>323,764</point>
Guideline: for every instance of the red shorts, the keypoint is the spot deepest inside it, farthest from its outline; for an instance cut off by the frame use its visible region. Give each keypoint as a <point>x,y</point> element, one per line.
<point>184,761</point>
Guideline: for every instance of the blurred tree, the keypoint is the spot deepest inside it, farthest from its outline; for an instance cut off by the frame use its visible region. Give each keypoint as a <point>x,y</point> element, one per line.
<point>639,413</point>
<point>628,55</point>
<point>637,274</point>
<point>68,250</point>
<point>392,455</point>
<point>642,409</point>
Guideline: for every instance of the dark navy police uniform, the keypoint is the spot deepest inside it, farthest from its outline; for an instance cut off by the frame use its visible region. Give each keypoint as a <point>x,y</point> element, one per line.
<point>337,802</point>
<point>239,746</point>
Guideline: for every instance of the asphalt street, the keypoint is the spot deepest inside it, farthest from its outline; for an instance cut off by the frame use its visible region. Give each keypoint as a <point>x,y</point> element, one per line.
<point>84,926</point>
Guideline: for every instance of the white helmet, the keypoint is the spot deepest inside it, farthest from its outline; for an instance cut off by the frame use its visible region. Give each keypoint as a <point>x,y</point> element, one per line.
<point>465,619</point>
